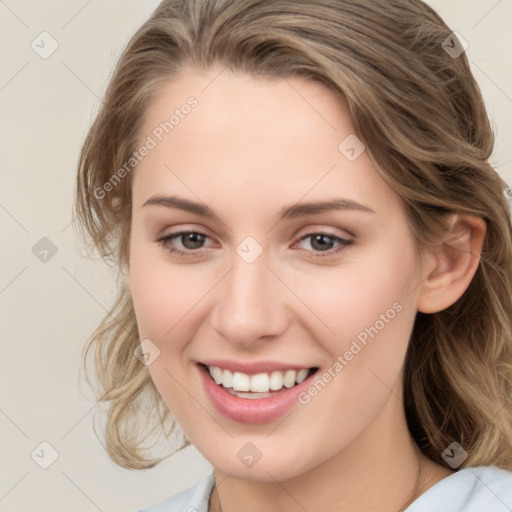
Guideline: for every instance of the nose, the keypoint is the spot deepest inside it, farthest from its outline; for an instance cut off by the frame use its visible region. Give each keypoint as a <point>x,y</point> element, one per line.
<point>250,306</point>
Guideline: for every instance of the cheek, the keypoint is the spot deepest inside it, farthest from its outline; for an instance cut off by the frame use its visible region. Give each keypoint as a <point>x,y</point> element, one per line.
<point>367,297</point>
<point>163,293</point>
<point>370,310</point>
<point>168,301</point>
<point>162,298</point>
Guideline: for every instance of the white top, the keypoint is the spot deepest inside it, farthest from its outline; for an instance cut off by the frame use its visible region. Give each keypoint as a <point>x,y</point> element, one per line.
<point>472,489</point>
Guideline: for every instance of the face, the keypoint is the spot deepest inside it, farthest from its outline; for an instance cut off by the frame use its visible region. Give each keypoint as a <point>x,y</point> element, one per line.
<point>301,313</point>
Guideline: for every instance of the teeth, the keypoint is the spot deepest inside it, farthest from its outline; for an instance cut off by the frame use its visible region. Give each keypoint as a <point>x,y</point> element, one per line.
<point>258,383</point>
<point>216,373</point>
<point>227,379</point>
<point>241,382</point>
<point>276,381</point>
<point>289,378</point>
<point>301,375</point>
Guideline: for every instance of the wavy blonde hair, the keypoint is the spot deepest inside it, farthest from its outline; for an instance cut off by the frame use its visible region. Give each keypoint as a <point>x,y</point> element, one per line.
<point>421,115</point>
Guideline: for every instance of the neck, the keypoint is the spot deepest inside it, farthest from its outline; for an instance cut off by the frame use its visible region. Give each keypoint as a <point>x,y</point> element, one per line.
<point>382,469</point>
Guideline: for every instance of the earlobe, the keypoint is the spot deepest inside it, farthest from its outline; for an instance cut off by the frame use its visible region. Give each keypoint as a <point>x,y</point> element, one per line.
<point>453,264</point>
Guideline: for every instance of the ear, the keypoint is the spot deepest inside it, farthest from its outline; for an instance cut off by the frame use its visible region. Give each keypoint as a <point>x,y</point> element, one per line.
<point>452,264</point>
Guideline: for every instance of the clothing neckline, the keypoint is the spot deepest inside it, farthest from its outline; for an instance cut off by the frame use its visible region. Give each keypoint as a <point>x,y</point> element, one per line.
<point>210,483</point>
<point>439,484</point>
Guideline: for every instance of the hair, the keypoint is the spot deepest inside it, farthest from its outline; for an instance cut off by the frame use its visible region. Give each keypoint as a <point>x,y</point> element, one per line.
<point>421,115</point>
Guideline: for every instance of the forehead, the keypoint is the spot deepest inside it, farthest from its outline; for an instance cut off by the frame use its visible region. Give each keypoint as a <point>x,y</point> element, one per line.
<point>259,137</point>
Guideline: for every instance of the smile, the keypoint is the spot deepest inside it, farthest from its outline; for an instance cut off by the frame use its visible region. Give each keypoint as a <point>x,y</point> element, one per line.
<point>259,383</point>
<point>253,396</point>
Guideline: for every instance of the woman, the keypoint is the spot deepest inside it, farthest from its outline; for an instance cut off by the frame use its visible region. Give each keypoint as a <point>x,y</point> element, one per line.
<point>315,258</point>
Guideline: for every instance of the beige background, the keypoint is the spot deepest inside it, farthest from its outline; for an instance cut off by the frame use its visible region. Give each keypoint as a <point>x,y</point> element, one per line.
<point>49,309</point>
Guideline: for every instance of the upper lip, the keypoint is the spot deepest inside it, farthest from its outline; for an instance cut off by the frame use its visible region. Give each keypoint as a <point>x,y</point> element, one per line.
<point>254,367</point>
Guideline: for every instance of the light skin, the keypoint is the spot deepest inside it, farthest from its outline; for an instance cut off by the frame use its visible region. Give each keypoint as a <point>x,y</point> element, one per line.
<point>250,148</point>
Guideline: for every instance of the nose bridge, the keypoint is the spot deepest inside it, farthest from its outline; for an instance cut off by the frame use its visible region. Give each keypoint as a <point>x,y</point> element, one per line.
<point>249,304</point>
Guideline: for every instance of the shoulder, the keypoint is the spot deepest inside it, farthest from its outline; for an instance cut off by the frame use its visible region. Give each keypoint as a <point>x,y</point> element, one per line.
<point>471,489</point>
<point>193,499</point>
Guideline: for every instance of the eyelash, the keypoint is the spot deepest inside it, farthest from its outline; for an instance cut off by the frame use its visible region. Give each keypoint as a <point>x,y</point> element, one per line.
<point>318,254</point>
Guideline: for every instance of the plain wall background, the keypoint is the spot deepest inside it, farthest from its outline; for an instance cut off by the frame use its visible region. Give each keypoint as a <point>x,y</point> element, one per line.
<point>48,309</point>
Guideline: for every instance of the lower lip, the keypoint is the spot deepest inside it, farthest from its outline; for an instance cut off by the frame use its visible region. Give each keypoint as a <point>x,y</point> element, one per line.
<point>255,410</point>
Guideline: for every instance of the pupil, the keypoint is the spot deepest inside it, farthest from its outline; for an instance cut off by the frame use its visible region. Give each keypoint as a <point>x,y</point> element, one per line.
<point>325,242</point>
<point>196,240</point>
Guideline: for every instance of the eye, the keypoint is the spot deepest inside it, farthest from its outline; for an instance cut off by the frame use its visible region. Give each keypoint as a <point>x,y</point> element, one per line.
<point>190,241</point>
<point>322,243</point>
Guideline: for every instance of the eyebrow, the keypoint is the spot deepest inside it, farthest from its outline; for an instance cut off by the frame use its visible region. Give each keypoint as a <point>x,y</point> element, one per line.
<point>288,212</point>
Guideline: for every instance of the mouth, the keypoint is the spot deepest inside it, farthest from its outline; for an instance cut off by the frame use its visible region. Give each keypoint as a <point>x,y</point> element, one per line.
<point>254,396</point>
<point>257,385</point>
